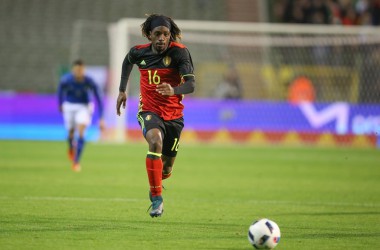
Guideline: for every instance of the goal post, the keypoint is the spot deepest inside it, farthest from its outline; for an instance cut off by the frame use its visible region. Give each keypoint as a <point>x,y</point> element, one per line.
<point>118,45</point>
<point>339,61</point>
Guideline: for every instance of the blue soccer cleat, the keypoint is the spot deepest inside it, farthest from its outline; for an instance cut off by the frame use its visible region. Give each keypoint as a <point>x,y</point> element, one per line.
<point>157,206</point>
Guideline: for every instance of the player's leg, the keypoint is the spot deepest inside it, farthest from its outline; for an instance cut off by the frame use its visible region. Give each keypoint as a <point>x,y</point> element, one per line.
<point>69,119</point>
<point>168,163</point>
<point>70,140</point>
<point>151,126</point>
<point>170,146</point>
<point>82,120</point>
<point>153,160</point>
<point>80,146</point>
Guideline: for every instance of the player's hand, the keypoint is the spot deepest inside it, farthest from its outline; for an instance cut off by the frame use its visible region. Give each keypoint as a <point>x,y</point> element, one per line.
<point>121,100</point>
<point>165,89</point>
<point>102,124</point>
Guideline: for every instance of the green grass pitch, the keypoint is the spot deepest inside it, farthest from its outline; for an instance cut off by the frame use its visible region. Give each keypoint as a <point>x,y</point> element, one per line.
<point>320,198</point>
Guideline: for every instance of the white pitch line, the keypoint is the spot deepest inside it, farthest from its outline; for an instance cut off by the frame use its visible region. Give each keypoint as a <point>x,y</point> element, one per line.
<point>273,202</point>
<point>54,198</point>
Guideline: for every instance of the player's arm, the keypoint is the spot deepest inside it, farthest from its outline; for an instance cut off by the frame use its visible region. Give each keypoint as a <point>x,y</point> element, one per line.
<point>61,95</point>
<point>99,101</point>
<point>187,87</point>
<point>125,72</point>
<point>185,66</point>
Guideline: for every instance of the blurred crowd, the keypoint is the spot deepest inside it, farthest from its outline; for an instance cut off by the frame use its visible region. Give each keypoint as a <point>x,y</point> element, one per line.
<point>343,12</point>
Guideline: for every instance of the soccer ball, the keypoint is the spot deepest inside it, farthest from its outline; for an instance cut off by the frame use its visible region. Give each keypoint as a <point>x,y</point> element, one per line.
<point>264,234</point>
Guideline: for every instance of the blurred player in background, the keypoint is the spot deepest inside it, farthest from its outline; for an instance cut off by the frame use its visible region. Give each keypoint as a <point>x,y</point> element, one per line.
<point>75,105</point>
<point>166,74</point>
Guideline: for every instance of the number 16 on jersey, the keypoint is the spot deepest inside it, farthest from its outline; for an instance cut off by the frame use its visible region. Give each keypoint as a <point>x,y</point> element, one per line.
<point>153,78</point>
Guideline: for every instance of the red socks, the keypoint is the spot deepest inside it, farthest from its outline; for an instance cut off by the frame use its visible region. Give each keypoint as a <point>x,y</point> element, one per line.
<point>154,169</point>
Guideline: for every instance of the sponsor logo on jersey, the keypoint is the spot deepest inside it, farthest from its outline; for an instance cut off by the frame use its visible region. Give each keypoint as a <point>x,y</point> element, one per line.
<point>167,60</point>
<point>148,117</point>
<point>142,62</point>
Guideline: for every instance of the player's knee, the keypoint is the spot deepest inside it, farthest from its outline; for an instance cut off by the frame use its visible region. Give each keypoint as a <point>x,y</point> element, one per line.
<point>155,146</point>
<point>155,143</point>
<point>154,139</point>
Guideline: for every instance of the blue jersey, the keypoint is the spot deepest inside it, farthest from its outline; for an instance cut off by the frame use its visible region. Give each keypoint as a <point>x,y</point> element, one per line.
<point>73,91</point>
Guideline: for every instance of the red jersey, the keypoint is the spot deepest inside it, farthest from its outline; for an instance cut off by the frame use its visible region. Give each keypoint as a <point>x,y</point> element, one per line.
<point>169,67</point>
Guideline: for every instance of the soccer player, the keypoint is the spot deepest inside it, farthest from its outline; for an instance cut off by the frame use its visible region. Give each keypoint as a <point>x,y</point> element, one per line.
<point>166,74</point>
<point>75,105</point>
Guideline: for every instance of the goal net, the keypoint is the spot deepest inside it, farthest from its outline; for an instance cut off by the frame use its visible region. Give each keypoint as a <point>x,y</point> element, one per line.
<point>293,81</point>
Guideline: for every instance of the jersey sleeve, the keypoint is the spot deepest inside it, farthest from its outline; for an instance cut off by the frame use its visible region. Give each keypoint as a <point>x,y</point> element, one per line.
<point>132,55</point>
<point>61,91</point>
<point>126,68</point>
<point>185,63</point>
<point>186,71</point>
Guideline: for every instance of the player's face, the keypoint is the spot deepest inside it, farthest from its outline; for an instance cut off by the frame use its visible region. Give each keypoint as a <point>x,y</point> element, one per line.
<point>78,71</point>
<point>160,37</point>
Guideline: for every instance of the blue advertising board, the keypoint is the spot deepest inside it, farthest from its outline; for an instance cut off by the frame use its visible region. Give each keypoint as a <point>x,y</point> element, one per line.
<point>37,117</point>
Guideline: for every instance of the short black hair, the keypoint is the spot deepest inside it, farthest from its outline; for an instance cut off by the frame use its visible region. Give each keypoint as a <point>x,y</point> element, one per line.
<point>175,32</point>
<point>78,62</point>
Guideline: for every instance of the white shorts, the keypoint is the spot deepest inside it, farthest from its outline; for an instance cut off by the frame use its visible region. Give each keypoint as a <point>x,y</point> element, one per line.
<point>75,114</point>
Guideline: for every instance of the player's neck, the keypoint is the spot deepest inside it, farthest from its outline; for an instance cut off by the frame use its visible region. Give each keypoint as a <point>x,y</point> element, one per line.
<point>79,78</point>
<point>158,52</point>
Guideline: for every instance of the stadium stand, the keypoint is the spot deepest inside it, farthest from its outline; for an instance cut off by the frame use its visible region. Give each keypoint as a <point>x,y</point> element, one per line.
<point>36,35</point>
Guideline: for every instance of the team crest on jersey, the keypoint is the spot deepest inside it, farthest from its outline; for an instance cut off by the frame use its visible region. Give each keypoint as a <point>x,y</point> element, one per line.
<point>148,117</point>
<point>167,60</point>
